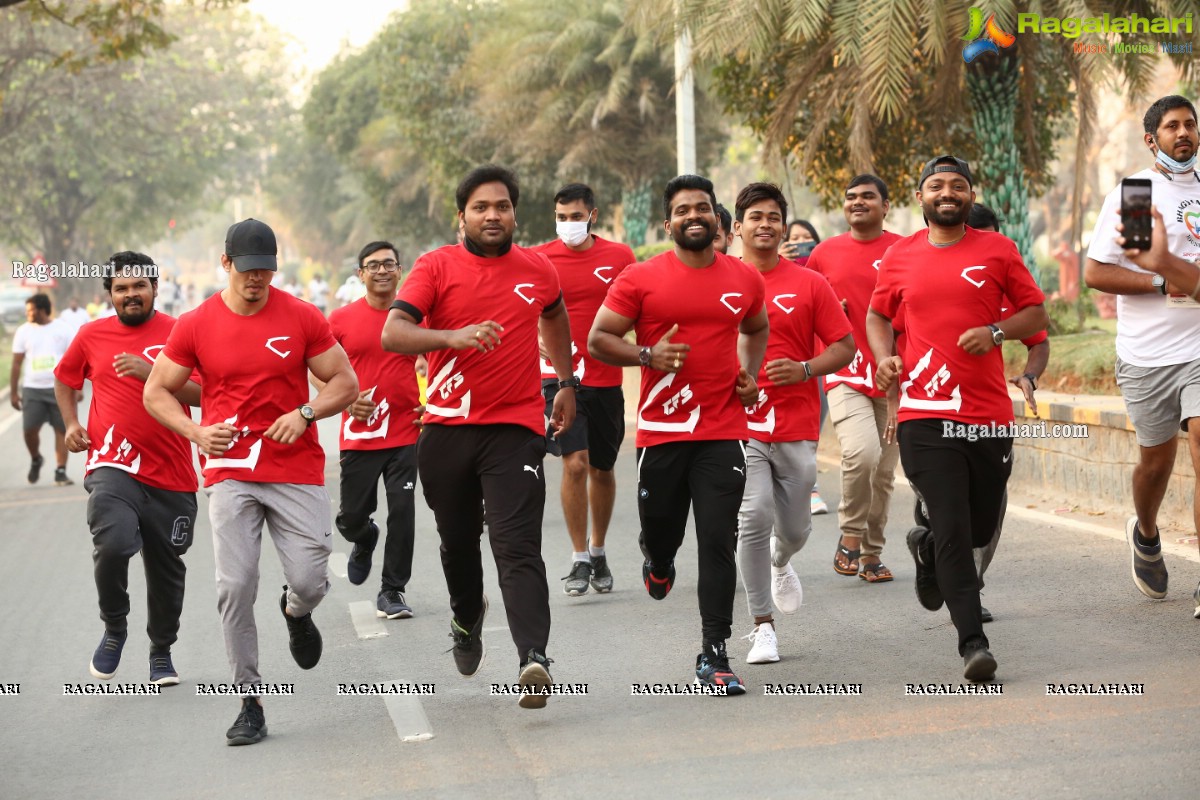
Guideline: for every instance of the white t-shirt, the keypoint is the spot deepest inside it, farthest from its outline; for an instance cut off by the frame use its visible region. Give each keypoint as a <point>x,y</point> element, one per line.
<point>75,318</point>
<point>43,346</point>
<point>1149,333</point>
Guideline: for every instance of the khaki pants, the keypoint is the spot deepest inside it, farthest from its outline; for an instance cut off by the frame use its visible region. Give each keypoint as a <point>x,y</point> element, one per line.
<point>868,465</point>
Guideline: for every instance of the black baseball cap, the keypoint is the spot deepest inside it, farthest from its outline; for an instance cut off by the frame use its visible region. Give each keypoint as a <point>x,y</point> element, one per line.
<point>250,244</point>
<point>945,163</point>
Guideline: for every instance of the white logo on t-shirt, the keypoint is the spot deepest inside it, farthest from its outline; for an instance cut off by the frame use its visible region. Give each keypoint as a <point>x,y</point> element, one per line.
<point>521,295</point>
<point>726,303</point>
<point>977,284</point>
<point>382,412</point>
<point>250,461</point>
<point>442,386</point>
<point>940,379</point>
<point>152,352</point>
<point>670,407</point>
<point>603,279</point>
<point>781,306</point>
<point>120,457</point>
<point>278,339</point>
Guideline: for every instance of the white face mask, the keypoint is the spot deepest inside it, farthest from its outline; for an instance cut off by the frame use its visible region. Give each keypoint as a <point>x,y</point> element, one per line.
<point>572,234</point>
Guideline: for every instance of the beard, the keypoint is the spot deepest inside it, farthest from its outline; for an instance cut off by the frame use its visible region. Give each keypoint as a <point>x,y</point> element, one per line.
<point>135,315</point>
<point>947,219</point>
<point>694,243</point>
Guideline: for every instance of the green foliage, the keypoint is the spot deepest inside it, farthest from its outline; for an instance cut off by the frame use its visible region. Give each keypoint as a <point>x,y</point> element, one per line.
<point>103,157</point>
<point>647,251</point>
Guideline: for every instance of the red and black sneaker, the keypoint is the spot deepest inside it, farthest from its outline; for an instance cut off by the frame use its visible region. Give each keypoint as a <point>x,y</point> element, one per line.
<point>712,669</point>
<point>658,586</point>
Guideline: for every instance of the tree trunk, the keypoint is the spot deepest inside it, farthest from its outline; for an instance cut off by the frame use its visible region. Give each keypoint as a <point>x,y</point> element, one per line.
<point>1000,177</point>
<point>635,204</point>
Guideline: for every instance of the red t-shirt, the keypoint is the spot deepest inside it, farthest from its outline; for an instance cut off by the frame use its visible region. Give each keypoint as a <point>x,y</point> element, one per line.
<point>254,369</point>
<point>851,268</point>
<point>391,378</point>
<point>451,288</point>
<point>944,292</point>
<point>124,435</point>
<point>585,277</point>
<point>801,307</point>
<point>698,402</point>
<point>1006,311</point>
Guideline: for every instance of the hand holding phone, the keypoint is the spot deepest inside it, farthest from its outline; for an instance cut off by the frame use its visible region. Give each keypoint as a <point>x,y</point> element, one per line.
<point>1135,213</point>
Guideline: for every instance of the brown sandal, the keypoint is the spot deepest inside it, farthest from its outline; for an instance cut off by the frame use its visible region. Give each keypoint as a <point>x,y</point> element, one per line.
<point>850,557</point>
<point>875,573</point>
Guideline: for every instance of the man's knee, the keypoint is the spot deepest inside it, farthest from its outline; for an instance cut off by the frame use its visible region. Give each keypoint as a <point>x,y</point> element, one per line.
<point>575,466</point>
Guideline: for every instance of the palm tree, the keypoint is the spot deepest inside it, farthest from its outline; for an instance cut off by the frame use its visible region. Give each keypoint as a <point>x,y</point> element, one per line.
<point>881,86</point>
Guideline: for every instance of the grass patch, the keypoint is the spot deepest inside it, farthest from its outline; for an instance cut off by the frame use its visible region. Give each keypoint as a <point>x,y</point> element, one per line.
<point>5,356</point>
<point>1080,363</point>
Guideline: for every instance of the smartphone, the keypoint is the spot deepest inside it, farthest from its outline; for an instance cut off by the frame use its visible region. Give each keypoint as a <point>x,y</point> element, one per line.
<point>1135,212</point>
<point>804,248</point>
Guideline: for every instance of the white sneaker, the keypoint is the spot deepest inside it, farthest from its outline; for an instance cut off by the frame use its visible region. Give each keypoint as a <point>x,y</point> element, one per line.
<point>785,589</point>
<point>764,646</point>
<point>817,506</point>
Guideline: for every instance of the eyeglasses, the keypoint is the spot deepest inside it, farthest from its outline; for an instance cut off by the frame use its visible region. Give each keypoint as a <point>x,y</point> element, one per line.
<point>388,265</point>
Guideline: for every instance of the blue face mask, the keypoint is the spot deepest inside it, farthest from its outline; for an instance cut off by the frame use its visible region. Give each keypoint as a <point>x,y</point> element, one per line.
<point>1171,165</point>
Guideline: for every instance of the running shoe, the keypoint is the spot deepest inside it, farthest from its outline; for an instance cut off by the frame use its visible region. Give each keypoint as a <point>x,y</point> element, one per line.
<point>786,591</point>
<point>61,479</point>
<point>658,586</point>
<point>764,645</point>
<point>577,580</point>
<point>602,577</point>
<point>162,671</point>
<point>107,657</point>
<point>817,506</point>
<point>979,664</point>
<point>928,592</point>
<point>390,605</point>
<point>712,669</point>
<point>35,469</point>
<point>304,640</point>
<point>1149,570</point>
<point>358,566</point>
<point>250,726</point>
<point>1196,597</point>
<point>468,644</point>
<point>535,680</point>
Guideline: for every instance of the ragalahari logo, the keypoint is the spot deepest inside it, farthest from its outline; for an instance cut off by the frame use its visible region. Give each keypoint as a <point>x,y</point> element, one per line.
<point>984,37</point>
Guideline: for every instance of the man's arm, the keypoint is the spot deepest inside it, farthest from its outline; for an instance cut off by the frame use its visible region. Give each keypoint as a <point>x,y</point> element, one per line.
<point>341,388</point>
<point>1036,359</point>
<point>402,334</point>
<point>1183,277</point>
<point>166,378</point>
<point>130,365</point>
<point>606,342</point>
<point>554,333</point>
<point>76,437</point>
<point>881,338</point>
<point>14,395</point>
<point>752,341</point>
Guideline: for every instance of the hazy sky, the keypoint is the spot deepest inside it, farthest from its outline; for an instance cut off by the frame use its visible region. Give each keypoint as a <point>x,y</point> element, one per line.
<point>322,29</point>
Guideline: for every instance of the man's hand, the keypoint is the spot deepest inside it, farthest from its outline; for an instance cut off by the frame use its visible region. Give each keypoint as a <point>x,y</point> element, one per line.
<point>15,399</point>
<point>562,414</point>
<point>887,372</point>
<point>893,409</point>
<point>784,371</point>
<point>76,438</point>
<point>977,341</point>
<point>483,337</point>
<point>1150,260</point>
<point>1026,387</point>
<point>288,428</point>
<point>129,365</point>
<point>746,388</point>
<point>419,419</point>
<point>213,440</point>
<point>363,407</point>
<point>668,356</point>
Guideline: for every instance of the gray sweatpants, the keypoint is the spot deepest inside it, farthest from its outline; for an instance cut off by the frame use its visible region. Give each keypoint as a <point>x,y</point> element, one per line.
<point>779,483</point>
<point>298,518</point>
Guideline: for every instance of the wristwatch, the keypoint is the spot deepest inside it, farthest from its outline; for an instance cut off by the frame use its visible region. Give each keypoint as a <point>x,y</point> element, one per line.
<point>644,356</point>
<point>807,371</point>
<point>309,415</point>
<point>1160,283</point>
<point>570,383</point>
<point>997,335</point>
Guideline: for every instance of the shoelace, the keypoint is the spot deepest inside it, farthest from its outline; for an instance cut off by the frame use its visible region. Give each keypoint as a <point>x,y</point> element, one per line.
<point>161,663</point>
<point>112,644</point>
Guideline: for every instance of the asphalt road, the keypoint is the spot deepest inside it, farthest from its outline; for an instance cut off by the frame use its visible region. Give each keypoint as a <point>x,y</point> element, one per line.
<point>1067,612</point>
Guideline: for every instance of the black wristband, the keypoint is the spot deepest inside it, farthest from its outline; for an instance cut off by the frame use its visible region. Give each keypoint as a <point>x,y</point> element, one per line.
<point>1032,379</point>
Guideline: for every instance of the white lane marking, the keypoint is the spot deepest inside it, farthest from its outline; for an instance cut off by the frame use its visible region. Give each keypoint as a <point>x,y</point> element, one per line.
<point>1169,547</point>
<point>366,624</point>
<point>408,717</point>
<point>495,628</point>
<point>337,564</point>
<point>8,423</point>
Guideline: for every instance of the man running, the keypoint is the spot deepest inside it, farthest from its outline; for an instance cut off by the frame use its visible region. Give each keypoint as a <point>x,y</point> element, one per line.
<point>587,265</point>
<point>378,435</point>
<point>951,281</point>
<point>850,262</point>
<point>37,346</point>
<point>139,476</point>
<point>701,332</point>
<point>781,457</point>
<point>484,304</point>
<point>253,347</point>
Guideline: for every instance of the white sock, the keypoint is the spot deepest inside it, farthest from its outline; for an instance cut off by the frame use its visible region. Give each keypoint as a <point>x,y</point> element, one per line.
<point>584,557</point>
<point>596,552</point>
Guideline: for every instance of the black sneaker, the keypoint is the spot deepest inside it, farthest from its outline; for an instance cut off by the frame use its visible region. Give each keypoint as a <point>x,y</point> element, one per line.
<point>468,644</point>
<point>390,605</point>
<point>928,593</point>
<point>577,581</point>
<point>107,657</point>
<point>657,586</point>
<point>602,579</point>
<point>358,567</point>
<point>162,671</point>
<point>712,669</point>
<point>61,479</point>
<point>535,679</point>
<point>921,513</point>
<point>1149,570</point>
<point>250,726</point>
<point>985,615</point>
<point>35,469</point>
<point>304,640</point>
<point>979,664</point>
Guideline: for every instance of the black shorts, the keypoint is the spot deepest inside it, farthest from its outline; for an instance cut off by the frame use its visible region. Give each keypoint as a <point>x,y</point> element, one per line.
<point>599,424</point>
<point>38,408</point>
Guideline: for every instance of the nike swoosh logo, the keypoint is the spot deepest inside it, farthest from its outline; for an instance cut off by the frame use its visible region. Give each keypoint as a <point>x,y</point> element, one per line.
<point>1006,458</point>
